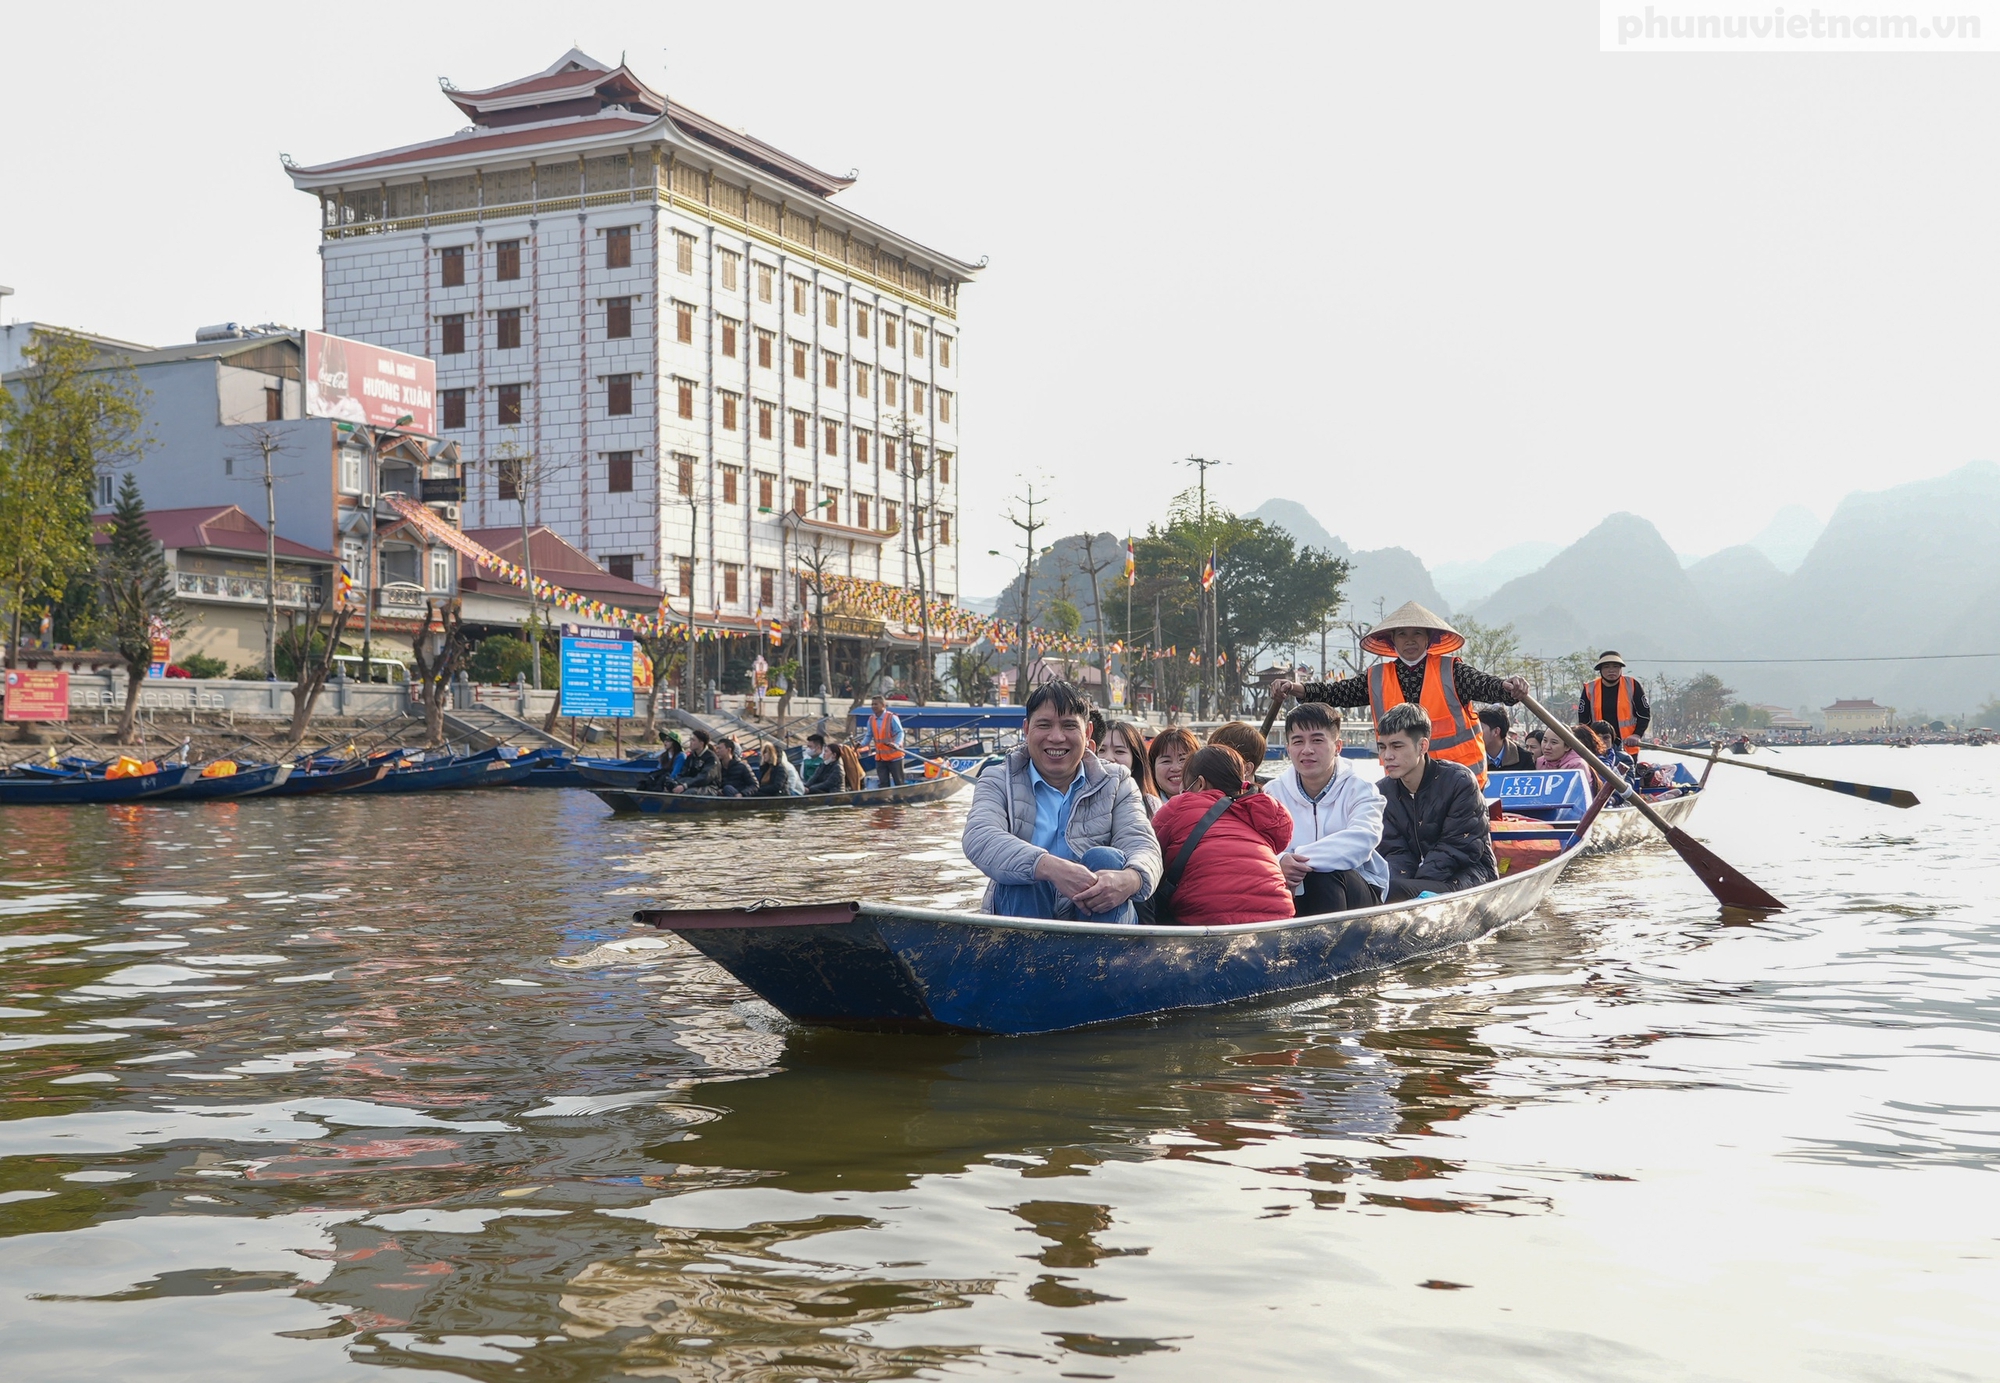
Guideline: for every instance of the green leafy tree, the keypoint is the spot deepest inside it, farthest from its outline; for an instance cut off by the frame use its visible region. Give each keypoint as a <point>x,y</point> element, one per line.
<point>1270,593</point>
<point>1063,616</point>
<point>201,665</point>
<point>1490,648</point>
<point>67,416</point>
<point>970,673</point>
<point>500,659</point>
<point>135,596</point>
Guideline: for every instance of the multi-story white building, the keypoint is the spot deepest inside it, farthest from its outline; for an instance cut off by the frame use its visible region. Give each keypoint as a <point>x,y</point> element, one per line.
<point>709,363</point>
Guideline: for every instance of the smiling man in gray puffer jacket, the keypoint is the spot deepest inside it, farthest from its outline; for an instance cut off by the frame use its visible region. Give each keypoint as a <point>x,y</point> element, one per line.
<point>1058,832</point>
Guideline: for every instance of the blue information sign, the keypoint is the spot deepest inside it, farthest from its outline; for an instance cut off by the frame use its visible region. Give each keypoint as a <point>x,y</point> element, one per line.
<point>597,670</point>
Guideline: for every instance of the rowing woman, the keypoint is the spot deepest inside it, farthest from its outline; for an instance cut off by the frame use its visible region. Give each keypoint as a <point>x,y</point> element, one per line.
<point>1421,649</point>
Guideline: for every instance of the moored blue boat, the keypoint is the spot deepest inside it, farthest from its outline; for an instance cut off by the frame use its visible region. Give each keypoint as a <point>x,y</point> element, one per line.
<point>247,781</point>
<point>306,781</point>
<point>42,790</point>
<point>482,770</point>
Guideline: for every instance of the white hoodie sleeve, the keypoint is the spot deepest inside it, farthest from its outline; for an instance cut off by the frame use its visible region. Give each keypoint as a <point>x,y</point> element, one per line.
<point>1343,829</point>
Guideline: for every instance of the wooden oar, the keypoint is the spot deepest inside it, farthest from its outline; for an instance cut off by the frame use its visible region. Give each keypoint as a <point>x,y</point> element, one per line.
<point>1271,716</point>
<point>1730,887</point>
<point>1892,797</point>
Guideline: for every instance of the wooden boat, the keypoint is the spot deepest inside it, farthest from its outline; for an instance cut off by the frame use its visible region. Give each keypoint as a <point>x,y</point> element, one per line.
<point>248,781</point>
<point>42,790</point>
<point>307,781</point>
<point>555,769</point>
<point>680,803</point>
<point>600,773</point>
<point>482,770</point>
<point>1555,801</point>
<point>881,966</point>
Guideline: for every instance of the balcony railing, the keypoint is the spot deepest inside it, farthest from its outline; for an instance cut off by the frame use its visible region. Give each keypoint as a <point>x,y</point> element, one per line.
<point>245,590</point>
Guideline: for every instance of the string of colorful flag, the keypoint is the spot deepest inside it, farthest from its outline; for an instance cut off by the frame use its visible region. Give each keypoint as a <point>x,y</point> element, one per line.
<point>851,595</point>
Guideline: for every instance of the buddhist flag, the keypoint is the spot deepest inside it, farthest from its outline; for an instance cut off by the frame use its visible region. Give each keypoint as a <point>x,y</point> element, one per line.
<point>1208,571</point>
<point>1131,564</point>
<point>346,585</point>
<point>775,632</point>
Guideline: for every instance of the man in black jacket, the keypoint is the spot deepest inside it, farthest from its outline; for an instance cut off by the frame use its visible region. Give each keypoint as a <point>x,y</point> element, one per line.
<point>1502,754</point>
<point>1434,832</point>
<point>699,769</point>
<point>733,777</point>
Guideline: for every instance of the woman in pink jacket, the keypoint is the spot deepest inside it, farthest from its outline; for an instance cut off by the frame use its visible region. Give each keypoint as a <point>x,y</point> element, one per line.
<point>1555,754</point>
<point>1233,874</point>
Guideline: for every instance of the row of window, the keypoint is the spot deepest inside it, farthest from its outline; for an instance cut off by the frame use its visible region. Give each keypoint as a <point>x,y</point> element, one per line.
<point>454,408</point>
<point>507,257</point>
<point>618,255</point>
<point>861,510</point>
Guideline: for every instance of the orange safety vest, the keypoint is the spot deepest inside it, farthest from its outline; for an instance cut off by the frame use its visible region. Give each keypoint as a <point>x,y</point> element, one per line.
<point>881,729</point>
<point>1454,733</point>
<point>1627,723</point>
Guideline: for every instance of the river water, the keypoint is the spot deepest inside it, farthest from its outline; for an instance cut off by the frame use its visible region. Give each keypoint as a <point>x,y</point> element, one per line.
<point>306,1088</point>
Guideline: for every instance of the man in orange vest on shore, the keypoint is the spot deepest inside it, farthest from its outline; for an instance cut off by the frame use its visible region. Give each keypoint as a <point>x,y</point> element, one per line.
<point>1614,697</point>
<point>1420,667</point>
<point>887,732</point>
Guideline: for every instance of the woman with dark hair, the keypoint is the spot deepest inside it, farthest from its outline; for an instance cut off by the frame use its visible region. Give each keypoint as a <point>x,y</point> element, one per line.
<point>1555,754</point>
<point>1232,873</point>
<point>1166,756</point>
<point>1125,746</point>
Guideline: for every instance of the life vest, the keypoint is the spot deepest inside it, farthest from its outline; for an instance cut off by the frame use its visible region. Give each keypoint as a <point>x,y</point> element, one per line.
<point>882,729</point>
<point>1454,733</point>
<point>1627,723</point>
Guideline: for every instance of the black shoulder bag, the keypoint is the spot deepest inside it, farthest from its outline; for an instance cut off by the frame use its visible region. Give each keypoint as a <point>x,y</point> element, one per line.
<point>1163,896</point>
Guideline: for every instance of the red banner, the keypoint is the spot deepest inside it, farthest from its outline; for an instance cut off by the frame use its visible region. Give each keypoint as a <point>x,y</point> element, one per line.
<point>36,695</point>
<point>355,382</point>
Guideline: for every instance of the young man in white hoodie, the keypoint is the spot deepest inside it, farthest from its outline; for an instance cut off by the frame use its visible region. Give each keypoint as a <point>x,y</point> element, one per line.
<point>1332,865</point>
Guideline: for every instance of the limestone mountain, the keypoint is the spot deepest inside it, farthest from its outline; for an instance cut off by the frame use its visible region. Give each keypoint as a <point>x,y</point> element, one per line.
<point>1618,586</point>
<point>1382,577</point>
<point>1463,583</point>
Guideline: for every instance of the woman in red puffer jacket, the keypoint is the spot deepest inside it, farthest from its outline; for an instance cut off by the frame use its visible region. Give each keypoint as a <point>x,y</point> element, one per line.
<point>1233,874</point>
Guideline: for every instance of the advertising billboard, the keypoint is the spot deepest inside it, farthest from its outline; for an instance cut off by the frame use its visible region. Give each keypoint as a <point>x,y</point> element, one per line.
<point>597,670</point>
<point>354,382</point>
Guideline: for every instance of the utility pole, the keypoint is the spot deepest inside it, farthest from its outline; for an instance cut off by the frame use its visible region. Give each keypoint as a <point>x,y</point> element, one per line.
<point>1201,465</point>
<point>264,443</point>
<point>1028,530</point>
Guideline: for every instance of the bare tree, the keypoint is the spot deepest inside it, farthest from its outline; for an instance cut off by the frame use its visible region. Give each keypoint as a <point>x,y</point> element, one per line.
<point>313,659</point>
<point>435,669</point>
<point>814,568</point>
<point>1092,567</point>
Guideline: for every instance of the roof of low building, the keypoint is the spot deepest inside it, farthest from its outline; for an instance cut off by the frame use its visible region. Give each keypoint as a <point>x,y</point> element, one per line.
<point>1847,705</point>
<point>212,528</point>
<point>554,560</point>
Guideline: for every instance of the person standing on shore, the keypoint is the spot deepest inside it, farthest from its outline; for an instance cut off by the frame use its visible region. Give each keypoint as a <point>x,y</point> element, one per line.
<point>887,732</point>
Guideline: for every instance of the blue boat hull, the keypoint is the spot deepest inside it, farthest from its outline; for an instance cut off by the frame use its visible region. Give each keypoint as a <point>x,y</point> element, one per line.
<point>305,784</point>
<point>876,966</point>
<point>480,771</point>
<point>43,791</point>
<point>244,783</point>
<point>681,803</point>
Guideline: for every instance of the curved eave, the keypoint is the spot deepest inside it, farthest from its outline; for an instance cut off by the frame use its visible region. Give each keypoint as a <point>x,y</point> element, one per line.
<point>328,176</point>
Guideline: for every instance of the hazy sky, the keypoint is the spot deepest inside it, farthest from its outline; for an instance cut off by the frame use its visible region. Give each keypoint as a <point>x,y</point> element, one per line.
<point>1445,273</point>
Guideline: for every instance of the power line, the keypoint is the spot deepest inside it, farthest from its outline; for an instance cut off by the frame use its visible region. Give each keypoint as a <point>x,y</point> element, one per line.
<point>1884,658</point>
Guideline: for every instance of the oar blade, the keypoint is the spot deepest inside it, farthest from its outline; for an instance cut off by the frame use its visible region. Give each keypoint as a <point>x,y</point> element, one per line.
<point>1730,887</point>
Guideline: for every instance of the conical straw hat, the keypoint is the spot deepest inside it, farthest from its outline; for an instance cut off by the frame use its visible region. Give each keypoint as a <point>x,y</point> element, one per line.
<point>1444,638</point>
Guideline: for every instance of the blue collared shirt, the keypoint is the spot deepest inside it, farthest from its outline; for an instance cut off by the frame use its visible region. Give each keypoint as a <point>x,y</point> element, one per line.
<point>1052,809</point>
